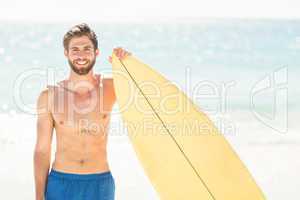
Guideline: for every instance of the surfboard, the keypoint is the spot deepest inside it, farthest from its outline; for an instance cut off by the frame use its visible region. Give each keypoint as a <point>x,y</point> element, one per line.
<point>182,152</point>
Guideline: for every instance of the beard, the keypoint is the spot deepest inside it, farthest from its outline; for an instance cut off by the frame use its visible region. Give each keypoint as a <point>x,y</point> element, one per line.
<point>83,70</point>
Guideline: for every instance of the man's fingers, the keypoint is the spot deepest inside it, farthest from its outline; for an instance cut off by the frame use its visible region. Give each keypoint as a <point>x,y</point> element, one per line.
<point>117,50</point>
<point>121,53</point>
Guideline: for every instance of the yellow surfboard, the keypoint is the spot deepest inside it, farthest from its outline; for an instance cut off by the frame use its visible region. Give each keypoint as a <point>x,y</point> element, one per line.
<point>180,149</point>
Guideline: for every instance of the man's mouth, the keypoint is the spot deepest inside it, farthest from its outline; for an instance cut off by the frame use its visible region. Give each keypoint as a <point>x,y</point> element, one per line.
<point>84,62</point>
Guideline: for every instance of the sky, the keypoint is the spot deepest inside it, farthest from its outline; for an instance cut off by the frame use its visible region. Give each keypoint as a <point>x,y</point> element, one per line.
<point>97,10</point>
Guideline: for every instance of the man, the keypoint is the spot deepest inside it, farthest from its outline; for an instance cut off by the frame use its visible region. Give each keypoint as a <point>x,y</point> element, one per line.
<point>79,110</point>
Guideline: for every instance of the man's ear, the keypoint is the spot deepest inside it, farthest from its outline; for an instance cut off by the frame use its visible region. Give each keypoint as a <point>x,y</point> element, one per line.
<point>97,52</point>
<point>66,53</point>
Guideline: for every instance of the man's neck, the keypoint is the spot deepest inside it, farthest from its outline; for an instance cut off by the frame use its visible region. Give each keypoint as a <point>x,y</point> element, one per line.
<point>82,84</point>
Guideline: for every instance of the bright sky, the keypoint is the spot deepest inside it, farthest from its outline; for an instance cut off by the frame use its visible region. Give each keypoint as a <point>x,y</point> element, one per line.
<point>97,10</point>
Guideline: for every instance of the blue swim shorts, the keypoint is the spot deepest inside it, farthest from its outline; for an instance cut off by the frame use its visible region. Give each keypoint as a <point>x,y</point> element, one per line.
<point>69,186</point>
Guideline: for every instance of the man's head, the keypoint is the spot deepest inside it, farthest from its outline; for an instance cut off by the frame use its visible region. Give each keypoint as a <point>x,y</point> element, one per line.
<point>81,48</point>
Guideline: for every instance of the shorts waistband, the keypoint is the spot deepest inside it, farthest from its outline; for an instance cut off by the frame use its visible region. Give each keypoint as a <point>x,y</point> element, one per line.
<point>92,176</point>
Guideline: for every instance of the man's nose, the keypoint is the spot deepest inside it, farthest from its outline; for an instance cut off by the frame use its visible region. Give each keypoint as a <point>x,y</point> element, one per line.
<point>81,54</point>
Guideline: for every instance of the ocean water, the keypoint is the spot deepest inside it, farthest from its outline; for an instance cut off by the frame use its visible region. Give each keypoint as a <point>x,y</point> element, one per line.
<point>242,73</point>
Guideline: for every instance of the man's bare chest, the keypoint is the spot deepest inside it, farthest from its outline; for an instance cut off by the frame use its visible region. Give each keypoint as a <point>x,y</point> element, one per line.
<point>90,111</point>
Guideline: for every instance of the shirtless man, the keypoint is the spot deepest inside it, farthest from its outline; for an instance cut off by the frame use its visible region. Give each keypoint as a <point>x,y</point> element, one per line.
<point>79,109</point>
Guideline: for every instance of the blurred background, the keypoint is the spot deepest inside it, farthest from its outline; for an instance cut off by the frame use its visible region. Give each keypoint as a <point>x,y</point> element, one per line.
<point>238,60</point>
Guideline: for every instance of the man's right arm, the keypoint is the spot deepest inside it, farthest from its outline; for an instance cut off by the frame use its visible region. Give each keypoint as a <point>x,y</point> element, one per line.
<point>42,151</point>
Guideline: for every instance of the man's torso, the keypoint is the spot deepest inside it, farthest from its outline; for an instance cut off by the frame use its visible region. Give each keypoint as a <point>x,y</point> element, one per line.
<point>81,124</point>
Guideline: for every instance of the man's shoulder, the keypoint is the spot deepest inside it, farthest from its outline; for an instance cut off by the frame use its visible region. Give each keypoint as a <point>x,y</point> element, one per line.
<point>107,80</point>
<point>47,94</point>
<point>44,101</point>
<point>108,85</point>
<point>107,77</point>
<point>44,93</point>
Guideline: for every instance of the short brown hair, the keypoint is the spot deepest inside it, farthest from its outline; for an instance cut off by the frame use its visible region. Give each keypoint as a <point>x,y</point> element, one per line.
<point>78,31</point>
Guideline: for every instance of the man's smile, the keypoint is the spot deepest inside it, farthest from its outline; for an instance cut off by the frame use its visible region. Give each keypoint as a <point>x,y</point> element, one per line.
<point>81,62</point>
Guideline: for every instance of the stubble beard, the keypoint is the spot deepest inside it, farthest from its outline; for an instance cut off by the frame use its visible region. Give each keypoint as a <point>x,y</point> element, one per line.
<point>83,70</point>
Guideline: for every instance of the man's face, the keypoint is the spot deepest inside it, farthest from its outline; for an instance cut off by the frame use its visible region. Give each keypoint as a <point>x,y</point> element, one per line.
<point>81,55</point>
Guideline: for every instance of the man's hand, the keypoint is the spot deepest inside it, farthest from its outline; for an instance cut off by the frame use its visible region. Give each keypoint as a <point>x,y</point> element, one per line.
<point>120,53</point>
